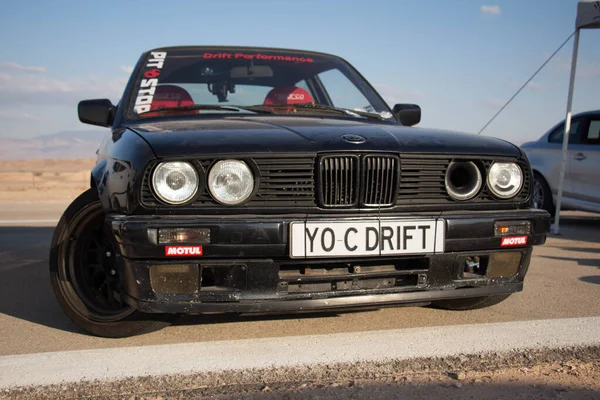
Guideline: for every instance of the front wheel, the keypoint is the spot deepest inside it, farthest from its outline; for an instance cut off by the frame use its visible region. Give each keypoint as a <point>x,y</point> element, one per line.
<point>471,303</point>
<point>85,277</point>
<point>542,196</point>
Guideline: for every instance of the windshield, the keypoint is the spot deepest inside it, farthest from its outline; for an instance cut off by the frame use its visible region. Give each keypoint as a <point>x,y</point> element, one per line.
<point>208,81</point>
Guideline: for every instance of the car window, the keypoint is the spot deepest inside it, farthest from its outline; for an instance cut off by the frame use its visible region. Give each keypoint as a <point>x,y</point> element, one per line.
<point>342,92</point>
<point>303,85</point>
<point>243,94</point>
<point>557,134</point>
<point>198,79</point>
<point>593,132</point>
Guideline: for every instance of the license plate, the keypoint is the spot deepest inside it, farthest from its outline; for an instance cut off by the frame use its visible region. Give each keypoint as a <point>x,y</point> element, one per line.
<point>366,238</point>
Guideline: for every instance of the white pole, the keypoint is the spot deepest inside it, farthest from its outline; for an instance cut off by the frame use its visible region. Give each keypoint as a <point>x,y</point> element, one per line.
<point>563,166</point>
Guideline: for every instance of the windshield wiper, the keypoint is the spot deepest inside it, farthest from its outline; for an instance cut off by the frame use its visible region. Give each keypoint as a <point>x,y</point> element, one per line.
<point>320,107</point>
<point>213,107</point>
<point>268,109</point>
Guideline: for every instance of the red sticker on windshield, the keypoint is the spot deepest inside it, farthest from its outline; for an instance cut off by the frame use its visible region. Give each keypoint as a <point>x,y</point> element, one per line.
<point>258,56</point>
<point>153,73</point>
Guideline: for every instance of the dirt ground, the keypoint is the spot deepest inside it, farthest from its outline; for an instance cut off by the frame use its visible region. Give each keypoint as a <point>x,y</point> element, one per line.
<point>570,373</point>
<point>44,180</point>
<point>571,380</point>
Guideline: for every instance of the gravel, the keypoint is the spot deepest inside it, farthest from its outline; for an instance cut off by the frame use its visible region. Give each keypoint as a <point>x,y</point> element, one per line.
<point>570,372</point>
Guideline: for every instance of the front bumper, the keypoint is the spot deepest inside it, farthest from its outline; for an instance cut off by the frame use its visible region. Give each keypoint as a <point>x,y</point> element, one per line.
<point>246,266</point>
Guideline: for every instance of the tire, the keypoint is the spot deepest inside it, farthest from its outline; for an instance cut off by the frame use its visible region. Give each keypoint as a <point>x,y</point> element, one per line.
<point>84,276</point>
<point>472,303</point>
<point>542,196</point>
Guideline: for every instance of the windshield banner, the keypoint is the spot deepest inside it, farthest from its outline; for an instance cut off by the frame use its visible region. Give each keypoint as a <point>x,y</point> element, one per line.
<point>152,71</point>
<point>258,56</point>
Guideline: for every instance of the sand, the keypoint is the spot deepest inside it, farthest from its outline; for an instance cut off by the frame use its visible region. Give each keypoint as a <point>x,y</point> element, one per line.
<point>44,180</point>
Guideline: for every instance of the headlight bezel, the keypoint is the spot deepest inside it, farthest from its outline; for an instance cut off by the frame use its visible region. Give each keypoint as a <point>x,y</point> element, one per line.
<point>254,171</point>
<point>200,179</point>
<point>498,195</point>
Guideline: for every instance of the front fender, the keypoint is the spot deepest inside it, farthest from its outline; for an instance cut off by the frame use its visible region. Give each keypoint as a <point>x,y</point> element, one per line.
<point>545,164</point>
<point>117,175</point>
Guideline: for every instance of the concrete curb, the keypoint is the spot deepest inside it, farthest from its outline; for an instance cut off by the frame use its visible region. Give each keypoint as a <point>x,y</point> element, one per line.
<point>211,357</point>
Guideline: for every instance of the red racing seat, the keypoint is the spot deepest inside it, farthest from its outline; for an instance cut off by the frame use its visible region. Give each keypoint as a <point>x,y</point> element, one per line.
<point>167,96</point>
<point>287,95</point>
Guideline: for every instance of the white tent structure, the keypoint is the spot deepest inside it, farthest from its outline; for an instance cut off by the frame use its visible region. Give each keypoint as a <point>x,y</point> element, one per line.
<point>588,17</point>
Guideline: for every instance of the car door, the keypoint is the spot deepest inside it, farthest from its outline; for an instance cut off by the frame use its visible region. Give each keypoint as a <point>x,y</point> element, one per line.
<point>584,158</point>
<point>546,157</point>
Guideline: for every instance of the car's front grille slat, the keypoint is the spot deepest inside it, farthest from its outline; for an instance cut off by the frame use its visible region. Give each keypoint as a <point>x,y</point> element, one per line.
<point>381,180</point>
<point>371,182</point>
<point>337,177</point>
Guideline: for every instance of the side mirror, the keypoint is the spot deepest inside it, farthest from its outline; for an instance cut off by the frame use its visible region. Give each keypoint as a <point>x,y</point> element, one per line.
<point>99,112</point>
<point>408,114</point>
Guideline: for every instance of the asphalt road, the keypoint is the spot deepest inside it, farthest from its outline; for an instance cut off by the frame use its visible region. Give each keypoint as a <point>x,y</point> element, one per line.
<point>30,213</point>
<point>563,282</point>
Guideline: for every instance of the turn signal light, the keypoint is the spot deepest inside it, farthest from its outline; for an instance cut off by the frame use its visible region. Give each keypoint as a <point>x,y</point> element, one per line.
<point>510,228</point>
<point>179,235</point>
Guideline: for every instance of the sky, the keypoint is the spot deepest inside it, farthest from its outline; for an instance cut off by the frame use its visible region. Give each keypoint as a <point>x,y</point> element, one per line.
<point>459,60</point>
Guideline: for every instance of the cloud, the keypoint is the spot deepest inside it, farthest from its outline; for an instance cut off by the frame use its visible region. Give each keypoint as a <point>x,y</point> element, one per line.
<point>585,70</point>
<point>10,65</point>
<point>531,85</point>
<point>494,103</point>
<point>41,89</point>
<point>31,86</point>
<point>394,95</point>
<point>491,10</point>
<point>18,115</point>
<point>126,68</point>
<point>588,71</point>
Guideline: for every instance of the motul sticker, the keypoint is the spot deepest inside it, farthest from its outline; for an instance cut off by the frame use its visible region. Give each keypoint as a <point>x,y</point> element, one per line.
<point>183,251</point>
<point>514,241</point>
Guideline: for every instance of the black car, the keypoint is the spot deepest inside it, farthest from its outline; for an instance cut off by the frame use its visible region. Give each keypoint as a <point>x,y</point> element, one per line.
<point>257,180</point>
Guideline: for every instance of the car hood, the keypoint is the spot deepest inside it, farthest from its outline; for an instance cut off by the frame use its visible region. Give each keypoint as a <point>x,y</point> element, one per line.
<point>286,134</point>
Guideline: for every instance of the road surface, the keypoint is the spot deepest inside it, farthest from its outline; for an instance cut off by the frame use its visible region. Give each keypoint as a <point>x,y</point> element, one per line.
<point>563,282</point>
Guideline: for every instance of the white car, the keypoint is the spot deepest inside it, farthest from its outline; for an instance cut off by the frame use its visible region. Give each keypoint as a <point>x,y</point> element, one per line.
<point>581,188</point>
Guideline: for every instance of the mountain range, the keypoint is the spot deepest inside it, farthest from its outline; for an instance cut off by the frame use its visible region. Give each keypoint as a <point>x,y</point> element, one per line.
<point>61,145</point>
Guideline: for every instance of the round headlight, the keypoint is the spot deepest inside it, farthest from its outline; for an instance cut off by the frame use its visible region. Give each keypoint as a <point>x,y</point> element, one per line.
<point>463,180</point>
<point>505,180</point>
<point>175,182</point>
<point>230,182</point>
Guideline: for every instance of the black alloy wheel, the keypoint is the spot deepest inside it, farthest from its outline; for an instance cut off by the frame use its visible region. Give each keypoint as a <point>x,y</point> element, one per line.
<point>85,276</point>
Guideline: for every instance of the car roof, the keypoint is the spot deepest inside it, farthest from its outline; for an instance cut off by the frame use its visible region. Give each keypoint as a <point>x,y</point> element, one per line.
<point>584,113</point>
<point>581,114</point>
<point>559,123</point>
<point>247,48</point>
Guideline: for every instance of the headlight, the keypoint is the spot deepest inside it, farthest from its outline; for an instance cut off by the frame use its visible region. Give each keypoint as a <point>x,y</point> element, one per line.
<point>505,180</point>
<point>175,182</point>
<point>230,182</point>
